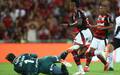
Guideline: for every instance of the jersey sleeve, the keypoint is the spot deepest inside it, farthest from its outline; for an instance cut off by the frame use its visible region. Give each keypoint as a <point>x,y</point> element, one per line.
<point>73,21</point>
<point>118,21</point>
<point>76,18</point>
<point>55,59</point>
<point>110,20</point>
<point>117,27</point>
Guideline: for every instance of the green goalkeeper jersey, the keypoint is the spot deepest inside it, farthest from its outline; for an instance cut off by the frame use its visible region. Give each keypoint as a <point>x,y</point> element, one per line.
<point>45,63</point>
<point>31,64</point>
<point>25,62</point>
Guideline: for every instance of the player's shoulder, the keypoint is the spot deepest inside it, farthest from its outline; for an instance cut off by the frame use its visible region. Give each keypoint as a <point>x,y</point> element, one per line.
<point>118,18</point>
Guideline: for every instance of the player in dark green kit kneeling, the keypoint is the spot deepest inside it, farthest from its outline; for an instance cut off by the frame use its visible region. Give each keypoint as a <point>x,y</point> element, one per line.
<point>29,64</point>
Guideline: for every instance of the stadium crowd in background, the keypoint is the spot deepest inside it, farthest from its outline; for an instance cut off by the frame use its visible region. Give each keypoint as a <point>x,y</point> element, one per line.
<point>34,20</point>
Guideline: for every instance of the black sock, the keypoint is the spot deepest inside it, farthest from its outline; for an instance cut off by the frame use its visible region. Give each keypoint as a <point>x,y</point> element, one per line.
<point>63,55</point>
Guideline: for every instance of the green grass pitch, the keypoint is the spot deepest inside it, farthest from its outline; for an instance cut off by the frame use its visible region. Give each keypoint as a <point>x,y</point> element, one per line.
<point>96,68</point>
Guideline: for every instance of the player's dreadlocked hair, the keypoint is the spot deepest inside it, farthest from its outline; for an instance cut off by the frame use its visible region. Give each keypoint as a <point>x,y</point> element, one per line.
<point>77,3</point>
<point>10,57</point>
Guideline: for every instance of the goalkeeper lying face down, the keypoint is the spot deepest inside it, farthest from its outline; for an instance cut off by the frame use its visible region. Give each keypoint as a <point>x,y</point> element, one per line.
<point>29,64</point>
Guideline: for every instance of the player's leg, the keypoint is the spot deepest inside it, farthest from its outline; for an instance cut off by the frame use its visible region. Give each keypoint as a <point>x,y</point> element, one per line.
<point>88,37</point>
<point>80,41</point>
<point>82,52</point>
<point>110,48</point>
<point>76,58</point>
<point>100,53</point>
<point>73,49</point>
<point>64,54</point>
<point>90,54</point>
<point>96,48</point>
<point>88,61</point>
<point>78,63</point>
<point>109,56</point>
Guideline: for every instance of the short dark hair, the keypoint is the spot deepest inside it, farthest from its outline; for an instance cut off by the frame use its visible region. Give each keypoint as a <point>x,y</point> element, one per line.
<point>10,57</point>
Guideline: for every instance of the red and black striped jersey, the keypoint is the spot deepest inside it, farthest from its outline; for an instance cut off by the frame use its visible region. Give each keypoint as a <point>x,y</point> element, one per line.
<point>102,21</point>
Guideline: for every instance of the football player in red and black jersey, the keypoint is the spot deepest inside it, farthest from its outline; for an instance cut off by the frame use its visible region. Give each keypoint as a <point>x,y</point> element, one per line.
<point>100,41</point>
<point>83,38</point>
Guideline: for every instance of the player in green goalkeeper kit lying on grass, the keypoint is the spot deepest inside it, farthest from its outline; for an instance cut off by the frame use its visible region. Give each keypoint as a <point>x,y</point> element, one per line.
<point>29,64</point>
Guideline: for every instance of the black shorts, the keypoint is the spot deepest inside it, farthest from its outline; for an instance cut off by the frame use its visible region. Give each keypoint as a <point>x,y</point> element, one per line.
<point>116,43</point>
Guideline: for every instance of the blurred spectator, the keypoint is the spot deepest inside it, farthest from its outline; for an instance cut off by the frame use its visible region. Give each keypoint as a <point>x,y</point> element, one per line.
<point>40,19</point>
<point>8,24</point>
<point>15,13</point>
<point>2,31</point>
<point>17,35</point>
<point>31,35</point>
<point>118,4</point>
<point>44,33</point>
<point>56,11</point>
<point>53,26</point>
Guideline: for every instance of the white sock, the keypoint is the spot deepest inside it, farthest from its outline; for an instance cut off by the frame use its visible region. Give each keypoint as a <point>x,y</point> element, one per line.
<point>87,66</point>
<point>80,68</point>
<point>110,59</point>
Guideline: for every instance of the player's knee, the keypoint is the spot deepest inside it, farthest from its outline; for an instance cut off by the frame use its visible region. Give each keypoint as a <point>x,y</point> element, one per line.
<point>110,48</point>
<point>87,55</point>
<point>74,47</point>
<point>90,53</point>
